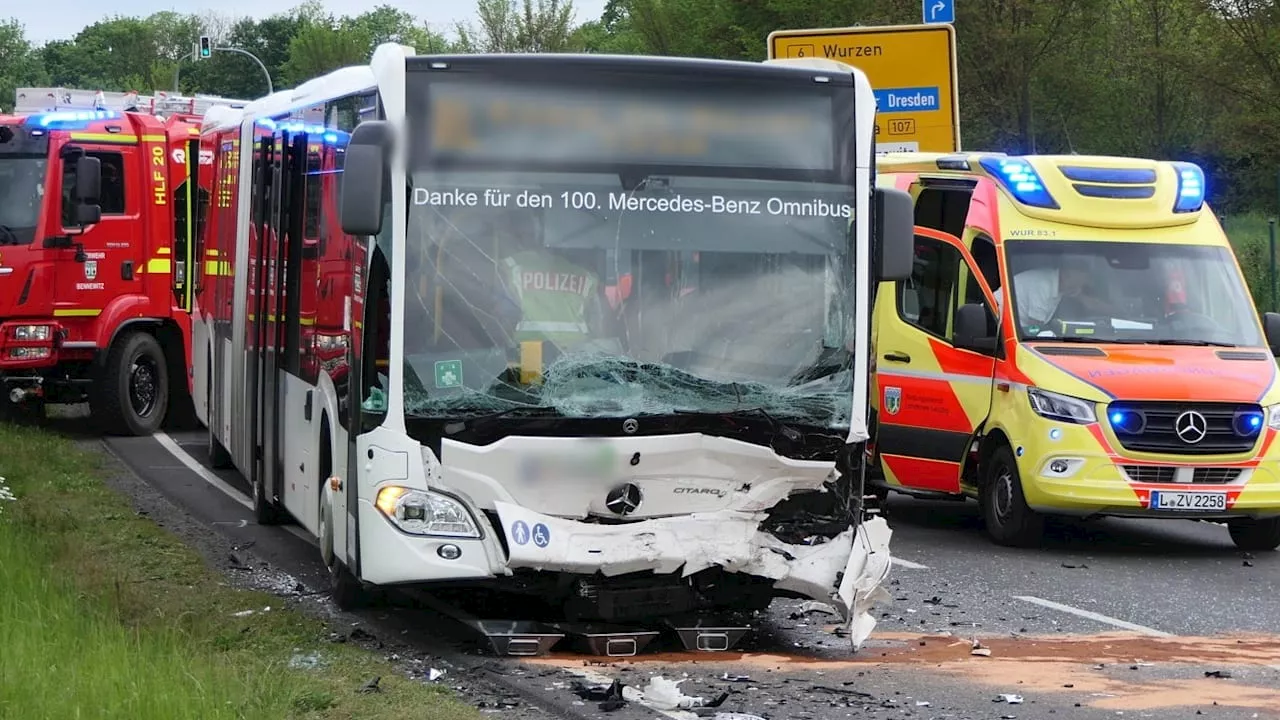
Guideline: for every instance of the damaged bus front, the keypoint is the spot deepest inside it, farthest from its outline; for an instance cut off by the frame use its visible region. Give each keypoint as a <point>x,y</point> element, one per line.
<point>693,445</point>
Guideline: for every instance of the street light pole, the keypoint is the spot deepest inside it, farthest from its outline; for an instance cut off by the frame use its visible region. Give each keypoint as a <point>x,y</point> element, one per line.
<point>178,69</point>
<point>251,56</point>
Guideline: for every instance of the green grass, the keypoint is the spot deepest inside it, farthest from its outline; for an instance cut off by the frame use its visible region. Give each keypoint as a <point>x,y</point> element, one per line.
<point>1249,237</point>
<point>103,614</point>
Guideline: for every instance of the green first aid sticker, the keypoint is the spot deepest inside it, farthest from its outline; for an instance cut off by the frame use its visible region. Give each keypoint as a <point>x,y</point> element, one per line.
<point>448,373</point>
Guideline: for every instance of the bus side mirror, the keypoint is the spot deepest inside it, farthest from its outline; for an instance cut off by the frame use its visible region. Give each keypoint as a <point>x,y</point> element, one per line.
<point>364,179</point>
<point>894,233</point>
<point>1271,328</point>
<point>88,190</point>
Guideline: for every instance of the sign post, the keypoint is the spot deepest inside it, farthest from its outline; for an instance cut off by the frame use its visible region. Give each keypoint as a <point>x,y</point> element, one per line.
<point>938,11</point>
<point>912,69</point>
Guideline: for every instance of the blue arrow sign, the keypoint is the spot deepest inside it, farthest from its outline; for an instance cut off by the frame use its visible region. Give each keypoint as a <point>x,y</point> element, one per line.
<point>938,11</point>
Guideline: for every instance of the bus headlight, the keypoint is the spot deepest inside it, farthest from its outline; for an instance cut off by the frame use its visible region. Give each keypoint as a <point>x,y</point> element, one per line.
<point>422,512</point>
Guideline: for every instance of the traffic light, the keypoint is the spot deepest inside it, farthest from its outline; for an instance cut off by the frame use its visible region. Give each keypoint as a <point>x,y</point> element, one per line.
<point>206,47</point>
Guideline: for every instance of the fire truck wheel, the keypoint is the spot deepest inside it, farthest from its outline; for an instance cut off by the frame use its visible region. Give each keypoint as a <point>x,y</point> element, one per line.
<point>1004,508</point>
<point>132,394</point>
<point>1255,535</point>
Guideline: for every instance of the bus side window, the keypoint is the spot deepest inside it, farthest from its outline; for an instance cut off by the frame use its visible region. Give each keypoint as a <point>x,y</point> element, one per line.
<point>376,353</point>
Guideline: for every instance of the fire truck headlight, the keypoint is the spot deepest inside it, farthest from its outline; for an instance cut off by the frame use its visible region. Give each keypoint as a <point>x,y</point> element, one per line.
<point>33,333</point>
<point>420,512</point>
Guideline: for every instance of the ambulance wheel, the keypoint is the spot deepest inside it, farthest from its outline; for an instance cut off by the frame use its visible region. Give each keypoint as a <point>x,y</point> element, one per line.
<point>1008,519</point>
<point>132,393</point>
<point>1255,535</point>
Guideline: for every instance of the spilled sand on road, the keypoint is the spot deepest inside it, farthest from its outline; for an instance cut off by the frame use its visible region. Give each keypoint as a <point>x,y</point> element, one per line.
<point>1065,664</point>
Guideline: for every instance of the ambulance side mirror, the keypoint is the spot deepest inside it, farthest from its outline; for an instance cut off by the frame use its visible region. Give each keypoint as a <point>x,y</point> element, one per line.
<point>970,329</point>
<point>364,179</point>
<point>894,233</point>
<point>1271,328</point>
<point>88,190</point>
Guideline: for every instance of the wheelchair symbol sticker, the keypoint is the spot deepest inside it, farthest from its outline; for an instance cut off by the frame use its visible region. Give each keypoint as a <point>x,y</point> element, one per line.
<point>541,535</point>
<point>520,532</point>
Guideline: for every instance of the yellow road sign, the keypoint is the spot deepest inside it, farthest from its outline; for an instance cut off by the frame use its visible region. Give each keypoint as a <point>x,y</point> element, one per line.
<point>912,69</point>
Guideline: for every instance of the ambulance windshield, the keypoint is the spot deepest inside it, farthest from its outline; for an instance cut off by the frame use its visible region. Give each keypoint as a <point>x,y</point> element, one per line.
<point>21,196</point>
<point>1129,292</point>
<point>572,293</point>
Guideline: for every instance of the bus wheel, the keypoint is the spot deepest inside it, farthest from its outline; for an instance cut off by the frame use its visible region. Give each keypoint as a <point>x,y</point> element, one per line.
<point>219,458</point>
<point>265,511</point>
<point>1255,535</point>
<point>1004,508</point>
<point>347,592</point>
<point>132,393</point>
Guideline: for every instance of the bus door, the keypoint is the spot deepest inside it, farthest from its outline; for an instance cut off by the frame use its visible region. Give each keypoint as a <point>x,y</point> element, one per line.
<point>933,395</point>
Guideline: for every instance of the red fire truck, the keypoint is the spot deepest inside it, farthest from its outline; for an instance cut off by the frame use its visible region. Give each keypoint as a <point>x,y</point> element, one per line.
<point>97,244</point>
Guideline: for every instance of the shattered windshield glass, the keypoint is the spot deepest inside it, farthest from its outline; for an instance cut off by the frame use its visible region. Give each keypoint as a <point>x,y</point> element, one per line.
<point>613,241</point>
<point>21,195</point>
<point>573,294</point>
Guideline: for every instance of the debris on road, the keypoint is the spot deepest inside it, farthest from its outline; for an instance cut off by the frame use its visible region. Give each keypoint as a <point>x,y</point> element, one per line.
<point>1222,674</point>
<point>979,649</point>
<point>665,694</point>
<point>1009,698</point>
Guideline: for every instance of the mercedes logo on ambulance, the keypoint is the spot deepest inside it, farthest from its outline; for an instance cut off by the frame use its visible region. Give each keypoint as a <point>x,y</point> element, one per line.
<point>1191,427</point>
<point>624,499</point>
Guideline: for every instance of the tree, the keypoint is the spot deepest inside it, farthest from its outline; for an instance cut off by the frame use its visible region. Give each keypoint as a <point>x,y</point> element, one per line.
<point>506,27</point>
<point>20,65</point>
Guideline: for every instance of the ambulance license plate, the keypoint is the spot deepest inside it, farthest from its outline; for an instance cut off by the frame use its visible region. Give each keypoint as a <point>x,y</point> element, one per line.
<point>1193,501</point>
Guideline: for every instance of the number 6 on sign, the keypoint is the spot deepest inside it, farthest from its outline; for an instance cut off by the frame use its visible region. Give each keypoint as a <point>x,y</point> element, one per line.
<point>800,51</point>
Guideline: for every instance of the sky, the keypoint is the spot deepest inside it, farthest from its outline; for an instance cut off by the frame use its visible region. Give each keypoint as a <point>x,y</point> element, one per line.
<point>60,19</point>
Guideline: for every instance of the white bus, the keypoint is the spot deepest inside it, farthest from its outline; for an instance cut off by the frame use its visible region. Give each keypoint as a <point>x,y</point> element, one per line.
<point>405,341</point>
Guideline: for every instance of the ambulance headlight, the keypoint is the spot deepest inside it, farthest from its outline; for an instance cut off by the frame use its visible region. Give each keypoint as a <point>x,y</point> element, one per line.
<point>1273,417</point>
<point>1062,408</point>
<point>422,512</point>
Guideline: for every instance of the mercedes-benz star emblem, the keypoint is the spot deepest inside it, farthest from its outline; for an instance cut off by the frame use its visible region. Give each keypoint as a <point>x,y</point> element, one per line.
<point>624,499</point>
<point>1191,427</point>
<point>630,426</point>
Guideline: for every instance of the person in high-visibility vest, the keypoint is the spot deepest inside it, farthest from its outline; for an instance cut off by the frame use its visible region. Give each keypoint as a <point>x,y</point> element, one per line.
<point>561,302</point>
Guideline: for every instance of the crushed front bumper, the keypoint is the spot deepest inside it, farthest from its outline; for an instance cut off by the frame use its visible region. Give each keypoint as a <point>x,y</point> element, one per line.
<point>848,571</point>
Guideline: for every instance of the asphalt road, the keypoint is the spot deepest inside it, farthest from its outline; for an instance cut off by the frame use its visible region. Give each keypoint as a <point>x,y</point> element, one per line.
<point>1109,617</point>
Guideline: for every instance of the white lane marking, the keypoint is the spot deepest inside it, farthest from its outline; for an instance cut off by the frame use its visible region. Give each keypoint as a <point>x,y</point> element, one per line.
<point>1096,617</point>
<point>907,564</point>
<point>194,466</point>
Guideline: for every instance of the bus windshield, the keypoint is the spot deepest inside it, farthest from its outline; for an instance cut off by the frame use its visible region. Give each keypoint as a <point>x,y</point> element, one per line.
<point>600,286</point>
<point>1156,293</point>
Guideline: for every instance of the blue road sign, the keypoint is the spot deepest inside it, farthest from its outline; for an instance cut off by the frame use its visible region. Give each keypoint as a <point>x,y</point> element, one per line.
<point>938,11</point>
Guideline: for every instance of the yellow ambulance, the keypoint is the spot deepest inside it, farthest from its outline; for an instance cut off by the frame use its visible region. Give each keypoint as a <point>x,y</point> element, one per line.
<point>1076,339</point>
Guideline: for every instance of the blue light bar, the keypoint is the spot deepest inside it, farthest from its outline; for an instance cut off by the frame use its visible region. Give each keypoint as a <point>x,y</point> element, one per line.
<point>1021,180</point>
<point>1190,187</point>
<point>328,136</point>
<point>70,119</point>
